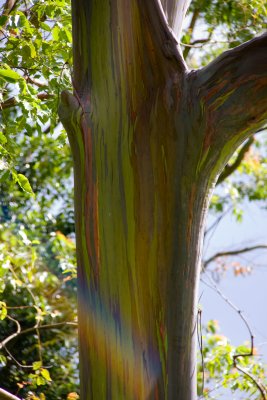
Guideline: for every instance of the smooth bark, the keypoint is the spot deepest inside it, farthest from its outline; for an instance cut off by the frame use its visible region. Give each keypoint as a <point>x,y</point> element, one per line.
<point>175,11</point>
<point>148,140</point>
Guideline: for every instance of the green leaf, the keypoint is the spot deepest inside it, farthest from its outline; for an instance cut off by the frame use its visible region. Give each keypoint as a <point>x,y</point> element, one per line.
<point>9,75</point>
<point>36,365</point>
<point>24,184</point>
<point>33,51</point>
<point>3,310</point>
<point>3,20</point>
<point>40,381</point>
<point>45,26</point>
<point>45,374</point>
<point>55,33</point>
<point>3,139</point>
<point>3,360</point>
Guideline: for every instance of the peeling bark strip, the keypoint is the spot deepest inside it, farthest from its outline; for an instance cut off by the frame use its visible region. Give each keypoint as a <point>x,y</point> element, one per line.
<point>148,140</point>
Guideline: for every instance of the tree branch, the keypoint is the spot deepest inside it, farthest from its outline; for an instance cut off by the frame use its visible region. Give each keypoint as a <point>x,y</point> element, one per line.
<point>147,52</point>
<point>36,82</point>
<point>259,386</point>
<point>4,395</point>
<point>12,102</point>
<point>28,330</point>
<point>233,253</point>
<point>233,99</point>
<point>229,169</point>
<point>151,10</point>
<point>175,11</point>
<point>191,27</point>
<point>14,335</point>
<point>8,7</point>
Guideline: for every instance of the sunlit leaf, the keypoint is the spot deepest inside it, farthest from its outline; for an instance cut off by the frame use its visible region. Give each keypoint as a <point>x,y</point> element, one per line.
<point>24,183</point>
<point>36,365</point>
<point>9,75</point>
<point>45,373</point>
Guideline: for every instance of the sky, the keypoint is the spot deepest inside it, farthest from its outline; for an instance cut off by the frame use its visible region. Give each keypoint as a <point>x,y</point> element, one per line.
<point>249,294</point>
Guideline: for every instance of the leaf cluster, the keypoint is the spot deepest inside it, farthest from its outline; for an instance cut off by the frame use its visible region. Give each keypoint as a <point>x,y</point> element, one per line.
<point>219,371</point>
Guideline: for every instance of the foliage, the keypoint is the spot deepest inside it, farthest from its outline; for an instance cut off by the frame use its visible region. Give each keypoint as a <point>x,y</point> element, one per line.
<point>37,267</point>
<point>219,370</point>
<point>246,183</point>
<point>35,59</point>
<point>36,294</point>
<point>218,25</point>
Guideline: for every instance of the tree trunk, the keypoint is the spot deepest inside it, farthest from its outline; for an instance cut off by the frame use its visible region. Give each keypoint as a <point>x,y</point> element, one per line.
<point>147,147</point>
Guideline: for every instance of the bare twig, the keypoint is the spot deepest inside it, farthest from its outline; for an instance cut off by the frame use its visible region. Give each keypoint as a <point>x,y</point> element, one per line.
<point>36,82</point>
<point>14,335</point>
<point>259,386</point>
<point>204,42</point>
<point>218,385</point>
<point>16,361</point>
<point>233,253</point>
<point>191,27</point>
<point>218,220</point>
<point>196,44</point>
<point>33,328</point>
<point>25,331</point>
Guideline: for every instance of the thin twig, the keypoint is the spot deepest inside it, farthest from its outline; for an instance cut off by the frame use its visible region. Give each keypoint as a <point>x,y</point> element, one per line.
<point>233,253</point>
<point>28,330</point>
<point>15,360</point>
<point>35,82</point>
<point>259,386</point>
<point>200,344</point>
<point>33,328</point>
<point>218,220</point>
<point>204,42</point>
<point>14,335</point>
<point>12,102</point>
<point>4,395</point>
<point>191,27</point>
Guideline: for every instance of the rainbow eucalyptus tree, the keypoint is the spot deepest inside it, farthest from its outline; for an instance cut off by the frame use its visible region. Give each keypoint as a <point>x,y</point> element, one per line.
<point>149,138</point>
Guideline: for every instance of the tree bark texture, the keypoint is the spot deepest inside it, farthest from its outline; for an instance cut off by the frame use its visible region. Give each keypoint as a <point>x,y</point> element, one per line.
<point>149,139</point>
<point>175,11</point>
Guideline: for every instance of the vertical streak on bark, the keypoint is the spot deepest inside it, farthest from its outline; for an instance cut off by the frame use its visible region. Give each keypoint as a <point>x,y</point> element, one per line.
<point>182,292</point>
